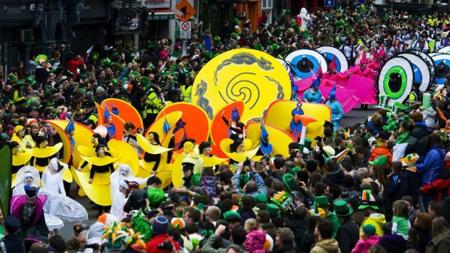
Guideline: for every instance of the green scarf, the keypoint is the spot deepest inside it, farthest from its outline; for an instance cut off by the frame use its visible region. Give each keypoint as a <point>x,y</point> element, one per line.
<point>402,138</point>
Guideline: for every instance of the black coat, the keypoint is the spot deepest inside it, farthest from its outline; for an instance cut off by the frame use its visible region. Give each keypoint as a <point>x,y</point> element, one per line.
<point>348,236</point>
<point>13,244</point>
<point>393,243</point>
<point>302,236</point>
<point>417,142</point>
<point>136,201</point>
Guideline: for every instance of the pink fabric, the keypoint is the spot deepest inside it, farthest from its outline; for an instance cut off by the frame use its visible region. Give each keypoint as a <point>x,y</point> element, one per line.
<point>254,241</point>
<point>17,203</point>
<point>354,87</point>
<point>363,245</point>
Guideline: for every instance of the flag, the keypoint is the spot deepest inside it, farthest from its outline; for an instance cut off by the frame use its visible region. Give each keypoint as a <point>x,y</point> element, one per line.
<point>70,128</point>
<point>5,178</point>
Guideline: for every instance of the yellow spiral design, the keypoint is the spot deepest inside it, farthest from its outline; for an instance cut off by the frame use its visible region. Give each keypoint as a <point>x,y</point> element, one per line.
<point>253,77</point>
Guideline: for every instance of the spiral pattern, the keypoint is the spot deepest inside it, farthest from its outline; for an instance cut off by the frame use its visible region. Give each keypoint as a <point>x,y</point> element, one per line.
<point>252,77</point>
<point>241,88</point>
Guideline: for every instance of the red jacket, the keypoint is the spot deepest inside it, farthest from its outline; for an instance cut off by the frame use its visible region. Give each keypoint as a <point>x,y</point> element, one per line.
<point>74,64</point>
<point>152,245</point>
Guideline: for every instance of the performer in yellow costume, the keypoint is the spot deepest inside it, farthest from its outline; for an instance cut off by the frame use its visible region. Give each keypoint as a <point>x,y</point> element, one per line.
<point>42,153</point>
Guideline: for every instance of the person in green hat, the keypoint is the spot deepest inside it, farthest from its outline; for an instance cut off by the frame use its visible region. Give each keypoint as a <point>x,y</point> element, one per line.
<point>321,202</point>
<point>369,206</point>
<point>348,232</point>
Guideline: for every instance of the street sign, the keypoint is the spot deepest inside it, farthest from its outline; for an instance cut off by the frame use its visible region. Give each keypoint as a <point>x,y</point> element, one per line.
<point>185,30</point>
<point>185,10</point>
<point>329,3</point>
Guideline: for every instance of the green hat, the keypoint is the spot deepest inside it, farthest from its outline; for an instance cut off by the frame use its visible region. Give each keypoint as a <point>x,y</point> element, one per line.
<point>41,58</point>
<point>369,230</point>
<point>114,81</point>
<point>30,80</point>
<point>135,74</point>
<point>261,198</point>
<point>232,216</point>
<point>367,200</point>
<point>308,143</point>
<point>13,78</point>
<point>342,208</point>
<point>196,179</point>
<point>155,196</point>
<point>290,182</point>
<point>379,161</point>
<point>383,103</point>
<point>273,209</point>
<point>426,100</point>
<point>321,201</point>
<point>106,62</point>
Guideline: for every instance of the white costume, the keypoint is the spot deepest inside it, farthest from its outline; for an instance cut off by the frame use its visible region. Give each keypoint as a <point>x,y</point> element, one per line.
<point>118,179</point>
<point>58,205</point>
<point>52,177</point>
<point>306,19</point>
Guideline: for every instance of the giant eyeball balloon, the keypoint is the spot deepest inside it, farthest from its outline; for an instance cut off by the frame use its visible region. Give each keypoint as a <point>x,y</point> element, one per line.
<point>441,67</point>
<point>333,54</point>
<point>306,62</point>
<point>422,73</point>
<point>395,79</point>
<point>444,50</point>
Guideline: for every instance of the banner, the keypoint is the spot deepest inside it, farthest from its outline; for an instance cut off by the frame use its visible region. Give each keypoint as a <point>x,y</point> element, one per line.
<point>5,178</point>
<point>156,4</point>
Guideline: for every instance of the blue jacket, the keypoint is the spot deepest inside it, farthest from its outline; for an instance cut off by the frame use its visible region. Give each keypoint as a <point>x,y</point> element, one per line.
<point>431,165</point>
<point>337,112</point>
<point>254,176</point>
<point>311,97</point>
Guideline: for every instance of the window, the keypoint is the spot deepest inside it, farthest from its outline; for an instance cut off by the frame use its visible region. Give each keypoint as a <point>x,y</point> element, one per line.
<point>267,4</point>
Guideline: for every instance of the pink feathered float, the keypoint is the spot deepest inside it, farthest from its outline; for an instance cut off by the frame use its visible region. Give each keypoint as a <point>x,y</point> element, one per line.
<point>354,87</point>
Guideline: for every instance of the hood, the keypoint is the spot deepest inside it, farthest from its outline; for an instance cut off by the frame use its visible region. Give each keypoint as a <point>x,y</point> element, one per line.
<point>303,11</point>
<point>379,218</point>
<point>330,245</point>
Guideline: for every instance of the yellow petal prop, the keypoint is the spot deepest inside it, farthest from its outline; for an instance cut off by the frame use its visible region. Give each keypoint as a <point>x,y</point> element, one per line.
<point>238,156</point>
<point>21,158</point>
<point>99,190</point>
<point>65,139</point>
<point>126,152</point>
<point>246,75</point>
<point>166,177</point>
<point>157,126</point>
<point>279,139</point>
<point>100,161</point>
<point>148,147</point>
<point>47,151</point>
<point>212,160</point>
<point>278,115</point>
<point>127,112</point>
<point>82,137</point>
<point>146,167</point>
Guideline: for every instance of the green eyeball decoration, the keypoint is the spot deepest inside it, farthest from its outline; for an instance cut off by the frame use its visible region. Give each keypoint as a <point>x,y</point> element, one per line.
<point>422,72</point>
<point>395,80</point>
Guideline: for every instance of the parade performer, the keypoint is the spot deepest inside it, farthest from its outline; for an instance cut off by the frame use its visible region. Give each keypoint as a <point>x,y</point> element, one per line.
<point>52,177</point>
<point>42,153</point>
<point>313,94</point>
<point>18,136</point>
<point>20,157</point>
<point>337,112</point>
<point>296,124</point>
<point>235,128</point>
<point>102,162</point>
